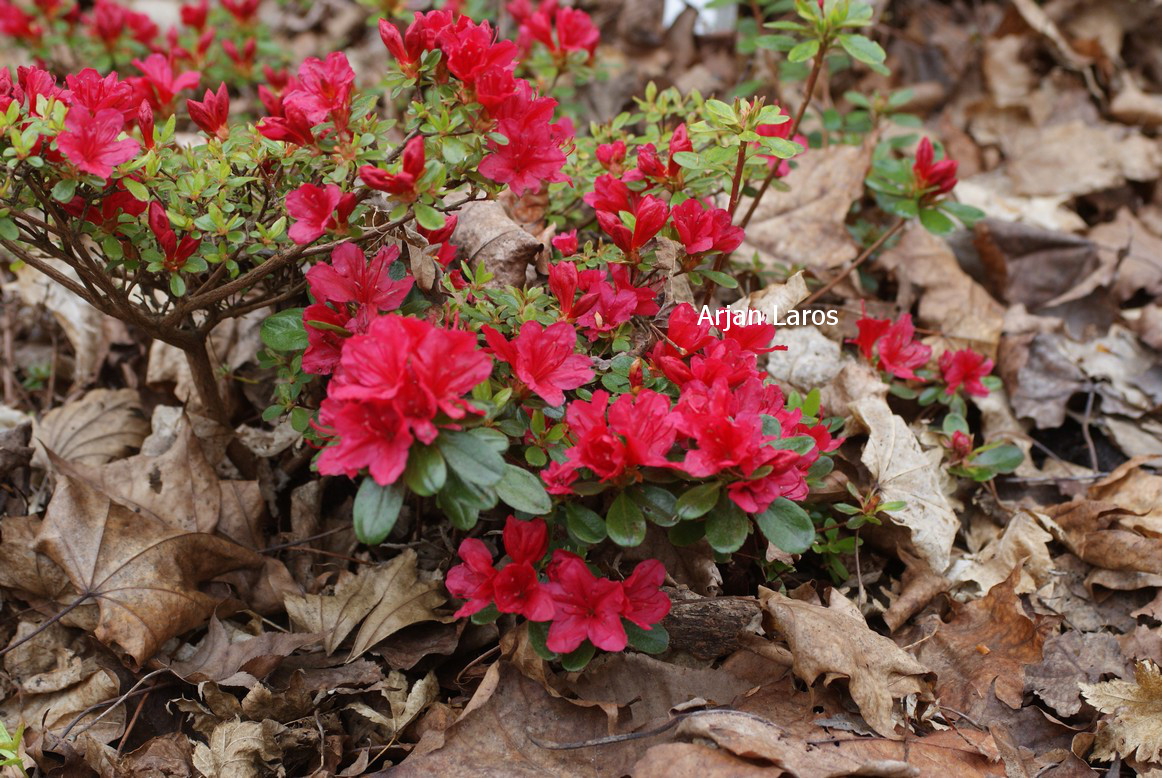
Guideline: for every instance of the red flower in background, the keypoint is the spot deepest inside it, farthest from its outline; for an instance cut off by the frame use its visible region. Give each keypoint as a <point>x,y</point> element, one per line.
<point>781,130</point>
<point>898,353</point>
<point>108,21</point>
<point>90,141</point>
<point>651,168</point>
<point>175,253</point>
<point>293,127</point>
<point>931,177</point>
<point>587,607</point>
<point>543,358</point>
<point>704,229</point>
<point>442,238</point>
<point>194,15</point>
<point>15,23</point>
<point>965,368</point>
<point>470,50</point>
<point>212,113</point>
<point>533,153</point>
<point>472,580</point>
<point>243,58</point>
<point>574,30</point>
<point>324,89</point>
<point>94,93</point>
<point>159,85</point>
<point>566,243</point>
<point>611,156</point>
<point>317,211</point>
<point>243,11</point>
<point>402,184</point>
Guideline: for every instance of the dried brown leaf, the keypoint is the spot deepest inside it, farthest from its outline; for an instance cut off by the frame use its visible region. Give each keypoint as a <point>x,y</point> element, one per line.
<point>1070,659</point>
<point>101,426</point>
<point>876,669</point>
<point>245,749</point>
<point>241,662</point>
<point>1135,726</point>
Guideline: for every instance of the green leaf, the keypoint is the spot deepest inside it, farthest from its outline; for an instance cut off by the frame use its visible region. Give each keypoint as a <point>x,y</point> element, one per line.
<point>863,48</point>
<point>625,523</point>
<point>376,510</point>
<point>936,222</point>
<point>523,491</point>
<point>649,641</point>
<point>967,214</point>
<point>577,659</point>
<point>428,217</point>
<point>720,111</point>
<point>538,637</point>
<point>1004,458</point>
<point>787,526</point>
<point>658,504</point>
<point>8,228</point>
<point>954,422</point>
<point>726,526</point>
<point>688,159</point>
<point>64,190</point>
<point>471,458</point>
<point>800,444</point>
<point>698,500</point>
<point>804,51</point>
<point>284,331</point>
<point>585,525</point>
<point>462,502</point>
<point>487,615</point>
<point>426,472</point>
<point>687,532</point>
<point>136,188</point>
<point>720,278</point>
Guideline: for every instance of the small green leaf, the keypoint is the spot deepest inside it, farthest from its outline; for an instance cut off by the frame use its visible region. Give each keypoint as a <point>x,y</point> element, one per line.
<point>698,500</point>
<point>8,228</point>
<point>800,444</point>
<point>649,641</point>
<point>726,526</point>
<point>376,510</point>
<point>585,525</point>
<point>720,278</point>
<point>625,523</point>
<point>538,637</point>
<point>284,331</point>
<point>136,188</point>
<point>471,458</point>
<point>64,190</point>
<point>936,222</point>
<point>688,159</point>
<point>863,48</point>
<point>428,217</point>
<point>954,422</point>
<point>577,659</point>
<point>523,491</point>
<point>804,51</point>
<point>659,505</point>
<point>487,615</point>
<point>787,526</point>
<point>1004,458</point>
<point>426,472</point>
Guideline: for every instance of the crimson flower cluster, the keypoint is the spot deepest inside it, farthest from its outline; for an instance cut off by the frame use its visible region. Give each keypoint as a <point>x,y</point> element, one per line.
<point>932,178</point>
<point>562,30</point>
<point>717,423</point>
<point>890,346</point>
<point>536,146</point>
<point>579,605</point>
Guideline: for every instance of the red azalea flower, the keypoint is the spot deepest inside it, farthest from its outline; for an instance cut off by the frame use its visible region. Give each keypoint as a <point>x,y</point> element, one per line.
<point>371,434</point>
<point>90,141</point>
<point>640,431</point>
<point>194,15</point>
<point>158,84</point>
<point>175,253</point>
<point>402,184</point>
<point>651,168</point>
<point>469,49</point>
<point>755,338</point>
<point>317,211</point>
<point>15,23</point>
<point>701,229</point>
<point>645,603</point>
<point>440,237</point>
<point>870,330</point>
<point>611,156</point>
<point>324,344</point>
<point>244,11</point>
<point>933,178</point>
<point>109,21</point>
<point>960,445</point>
<point>533,153</point>
<point>566,243</point>
<point>516,587</point>
<point>351,279</point>
<point>525,542</point>
<point>543,358</point>
<point>899,354</point>
<point>145,123</point>
<point>293,127</point>
<point>407,49</point>
<point>324,90</point>
<point>587,608</point>
<point>94,93</point>
<point>212,113</point>
<point>650,214</point>
<point>472,580</point>
<point>32,83</point>
<point>965,367</point>
<point>107,214</point>
<point>243,59</point>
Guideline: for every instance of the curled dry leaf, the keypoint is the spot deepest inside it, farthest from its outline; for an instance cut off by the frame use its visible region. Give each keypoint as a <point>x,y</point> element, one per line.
<point>1135,727</point>
<point>143,573</point>
<point>903,472</point>
<point>806,224</point>
<point>876,669</point>
<point>1023,538</point>
<point>241,662</point>
<point>101,426</point>
<point>385,598</point>
<point>985,646</point>
<point>1092,530</point>
<point>486,234</point>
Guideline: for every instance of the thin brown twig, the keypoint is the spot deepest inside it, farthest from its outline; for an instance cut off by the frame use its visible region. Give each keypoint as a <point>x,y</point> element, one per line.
<point>52,620</point>
<point>872,249</point>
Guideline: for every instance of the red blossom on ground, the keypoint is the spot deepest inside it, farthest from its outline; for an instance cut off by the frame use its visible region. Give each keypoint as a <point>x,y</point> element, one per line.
<point>931,177</point>
<point>441,237</point>
<point>472,580</point>
<point>516,587</point>
<point>898,353</point>
<point>965,368</point>
<point>212,113</point>
<point>543,358</point>
<point>704,229</point>
<point>317,210</point>
<point>90,141</point>
<point>587,607</point>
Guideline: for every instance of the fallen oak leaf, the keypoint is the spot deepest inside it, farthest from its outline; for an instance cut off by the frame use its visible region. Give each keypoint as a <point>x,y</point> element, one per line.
<point>877,670</point>
<point>1136,709</point>
<point>143,573</point>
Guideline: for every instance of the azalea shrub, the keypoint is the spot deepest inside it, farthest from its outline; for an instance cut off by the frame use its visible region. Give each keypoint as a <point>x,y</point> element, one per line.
<point>588,410</point>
